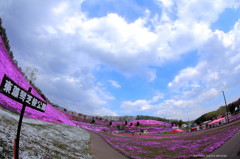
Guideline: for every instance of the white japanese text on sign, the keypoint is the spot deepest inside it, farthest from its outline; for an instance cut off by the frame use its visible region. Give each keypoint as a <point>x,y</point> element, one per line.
<point>9,88</point>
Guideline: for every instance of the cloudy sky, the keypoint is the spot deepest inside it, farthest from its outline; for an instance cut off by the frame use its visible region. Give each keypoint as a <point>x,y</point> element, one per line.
<point>167,58</point>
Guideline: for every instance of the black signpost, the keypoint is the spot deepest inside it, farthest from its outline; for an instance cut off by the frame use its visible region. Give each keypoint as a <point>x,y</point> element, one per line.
<point>9,88</point>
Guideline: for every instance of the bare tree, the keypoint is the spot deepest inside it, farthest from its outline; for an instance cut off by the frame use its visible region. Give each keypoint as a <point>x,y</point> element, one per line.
<point>30,74</point>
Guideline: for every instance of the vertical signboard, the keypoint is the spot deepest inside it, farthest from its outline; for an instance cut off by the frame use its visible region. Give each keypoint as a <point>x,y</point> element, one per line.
<point>9,88</point>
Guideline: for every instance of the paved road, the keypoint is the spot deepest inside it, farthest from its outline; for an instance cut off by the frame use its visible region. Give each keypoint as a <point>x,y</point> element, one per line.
<point>229,150</point>
<point>102,150</point>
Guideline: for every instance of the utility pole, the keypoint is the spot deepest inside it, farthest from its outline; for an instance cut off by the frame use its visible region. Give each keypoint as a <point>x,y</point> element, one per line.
<point>226,105</point>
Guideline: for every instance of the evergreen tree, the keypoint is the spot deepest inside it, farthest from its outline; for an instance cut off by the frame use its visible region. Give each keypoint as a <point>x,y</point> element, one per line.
<point>138,123</point>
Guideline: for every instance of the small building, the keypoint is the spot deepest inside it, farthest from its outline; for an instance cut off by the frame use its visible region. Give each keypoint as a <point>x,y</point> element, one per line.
<point>217,122</point>
<point>175,127</point>
<point>184,126</point>
<point>196,128</point>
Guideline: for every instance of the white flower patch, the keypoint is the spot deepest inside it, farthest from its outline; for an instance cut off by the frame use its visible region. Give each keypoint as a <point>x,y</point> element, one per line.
<point>40,139</point>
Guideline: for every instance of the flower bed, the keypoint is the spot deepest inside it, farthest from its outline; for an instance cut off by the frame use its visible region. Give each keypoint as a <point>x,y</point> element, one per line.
<point>148,123</point>
<point>188,145</point>
<point>235,117</point>
<point>94,127</point>
<point>156,130</point>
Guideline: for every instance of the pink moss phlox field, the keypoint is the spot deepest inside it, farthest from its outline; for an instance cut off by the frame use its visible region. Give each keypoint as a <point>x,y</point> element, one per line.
<point>149,123</point>
<point>101,122</point>
<point>8,67</point>
<point>237,116</point>
<point>95,127</point>
<point>152,126</point>
<point>183,145</point>
<point>189,148</point>
<point>152,136</point>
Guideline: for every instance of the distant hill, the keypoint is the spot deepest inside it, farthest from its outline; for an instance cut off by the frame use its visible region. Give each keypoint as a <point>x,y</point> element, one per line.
<point>220,112</point>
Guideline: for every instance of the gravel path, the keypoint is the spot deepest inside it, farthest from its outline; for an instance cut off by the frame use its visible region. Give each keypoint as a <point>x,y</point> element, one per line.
<point>102,150</point>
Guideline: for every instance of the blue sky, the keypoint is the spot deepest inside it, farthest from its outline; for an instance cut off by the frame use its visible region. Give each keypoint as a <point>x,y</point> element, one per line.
<point>131,57</point>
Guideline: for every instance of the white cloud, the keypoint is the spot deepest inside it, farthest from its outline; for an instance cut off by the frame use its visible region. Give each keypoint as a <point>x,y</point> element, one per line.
<point>131,48</point>
<point>206,11</point>
<point>193,87</point>
<point>50,30</point>
<point>187,112</point>
<point>114,83</point>
<point>208,95</point>
<point>104,111</point>
<point>118,44</point>
<point>169,108</point>
<point>80,93</point>
<point>62,7</point>
<point>166,3</point>
<point>216,70</point>
<point>57,35</point>
<point>185,75</point>
<point>142,105</point>
<point>136,106</point>
<point>158,95</point>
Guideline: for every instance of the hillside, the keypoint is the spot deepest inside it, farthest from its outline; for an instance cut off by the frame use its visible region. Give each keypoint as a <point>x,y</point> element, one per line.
<point>42,137</point>
<point>233,108</point>
<point>8,67</point>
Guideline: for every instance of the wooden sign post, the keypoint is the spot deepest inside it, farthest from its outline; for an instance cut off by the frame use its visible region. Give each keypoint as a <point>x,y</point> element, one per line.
<point>9,88</point>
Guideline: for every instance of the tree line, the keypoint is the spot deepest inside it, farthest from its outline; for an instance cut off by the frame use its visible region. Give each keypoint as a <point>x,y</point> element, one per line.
<point>221,112</point>
<point>173,122</point>
<point>29,72</point>
<point>146,117</point>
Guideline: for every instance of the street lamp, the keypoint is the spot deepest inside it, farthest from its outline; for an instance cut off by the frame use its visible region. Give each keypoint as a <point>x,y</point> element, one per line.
<point>226,105</point>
